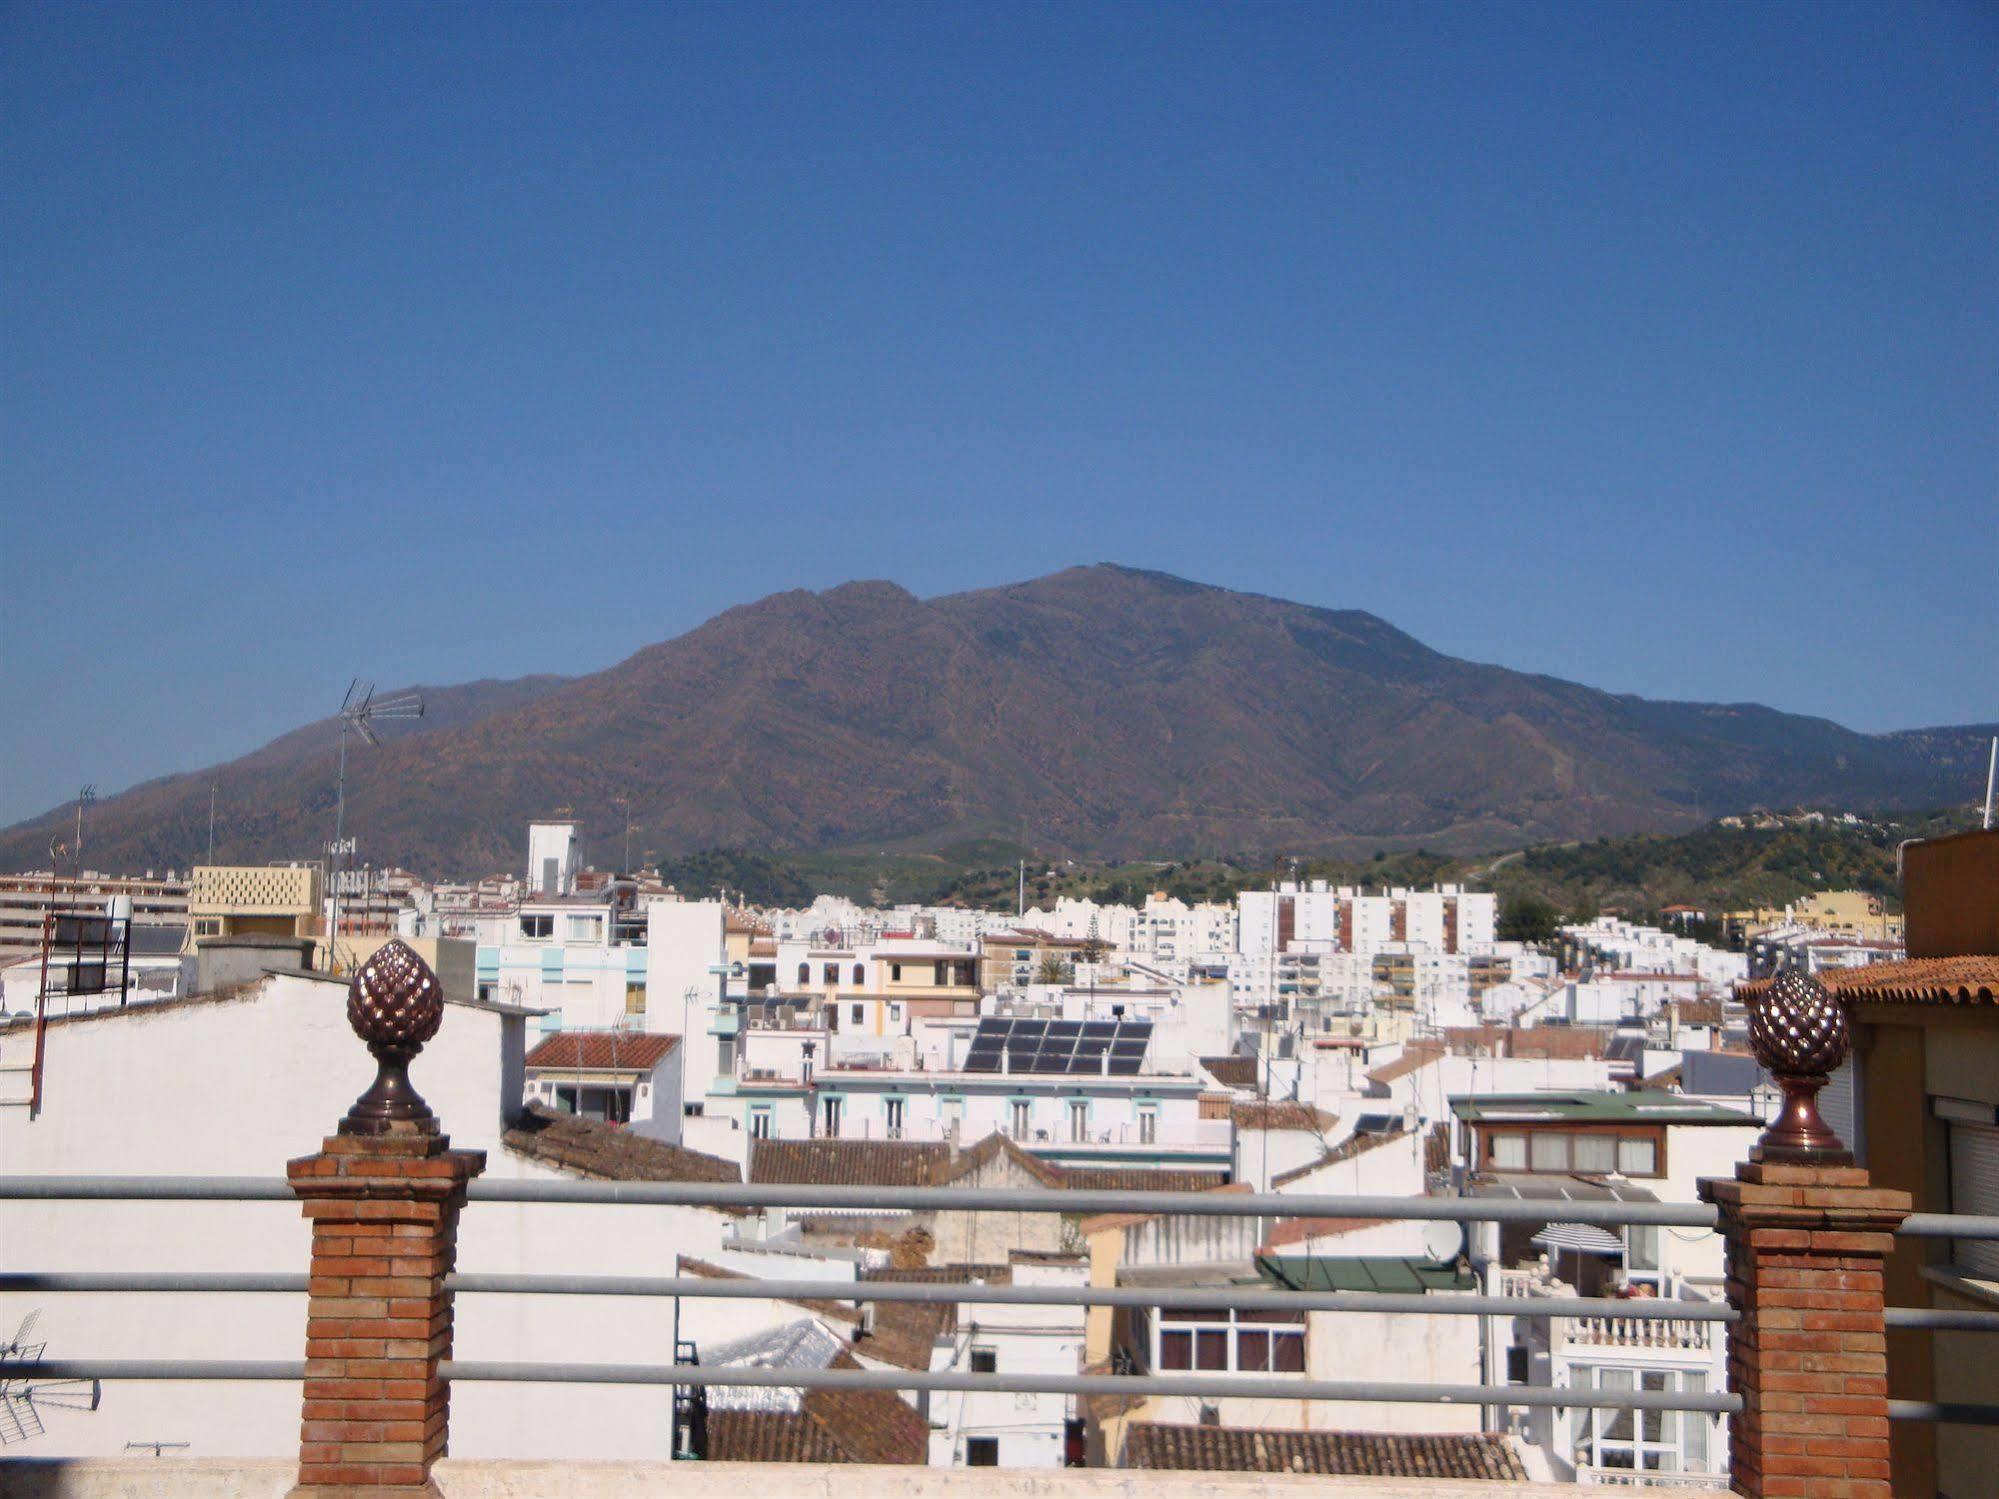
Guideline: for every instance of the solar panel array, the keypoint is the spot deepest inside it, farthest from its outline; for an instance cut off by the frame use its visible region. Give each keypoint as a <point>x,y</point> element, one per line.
<point>1067,1047</point>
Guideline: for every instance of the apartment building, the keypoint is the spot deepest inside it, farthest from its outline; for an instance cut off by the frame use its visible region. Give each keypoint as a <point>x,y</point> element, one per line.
<point>26,899</point>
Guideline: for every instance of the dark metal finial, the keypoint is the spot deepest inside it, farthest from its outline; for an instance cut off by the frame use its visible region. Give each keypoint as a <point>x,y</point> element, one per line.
<point>1798,1031</point>
<point>395,1004</point>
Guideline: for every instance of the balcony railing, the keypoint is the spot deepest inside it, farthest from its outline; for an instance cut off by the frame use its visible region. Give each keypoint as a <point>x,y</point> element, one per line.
<point>1635,1322</point>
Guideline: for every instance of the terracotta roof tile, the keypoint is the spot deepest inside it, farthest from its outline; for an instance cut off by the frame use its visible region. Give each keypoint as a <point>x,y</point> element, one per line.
<point>1232,1072</point>
<point>847,1163</point>
<point>1139,1179</point>
<point>1970,978</point>
<point>831,1426</point>
<point>1371,1454</point>
<point>622,1051</point>
<point>1283,1114</point>
<point>592,1148</point>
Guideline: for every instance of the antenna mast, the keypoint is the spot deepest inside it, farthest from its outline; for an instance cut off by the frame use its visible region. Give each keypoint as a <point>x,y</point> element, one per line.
<point>358,712</point>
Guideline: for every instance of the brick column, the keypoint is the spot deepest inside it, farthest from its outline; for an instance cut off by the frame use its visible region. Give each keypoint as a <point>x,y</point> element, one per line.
<point>1806,1242</point>
<point>384,1211</point>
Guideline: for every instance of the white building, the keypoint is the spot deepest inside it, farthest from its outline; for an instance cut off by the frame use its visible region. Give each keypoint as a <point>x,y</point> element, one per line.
<point>235,1085</point>
<point>991,1428</point>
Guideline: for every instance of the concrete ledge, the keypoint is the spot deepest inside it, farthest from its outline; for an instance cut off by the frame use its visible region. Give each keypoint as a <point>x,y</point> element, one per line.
<point>272,1478</point>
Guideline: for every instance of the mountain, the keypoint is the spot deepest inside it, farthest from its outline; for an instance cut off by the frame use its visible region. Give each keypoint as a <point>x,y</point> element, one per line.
<point>1096,711</point>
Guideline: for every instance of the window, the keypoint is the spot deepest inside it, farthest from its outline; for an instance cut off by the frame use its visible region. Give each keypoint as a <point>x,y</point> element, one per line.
<point>760,1123</point>
<point>1079,1121</point>
<point>895,972</point>
<point>832,973</point>
<point>1642,1441</point>
<point>860,976</point>
<point>895,1014</point>
<point>1246,1342</point>
<point>586,928</point>
<point>1148,1125</point>
<point>985,1361</point>
<point>805,975</point>
<point>537,928</point>
<point>892,1107</point>
<point>1509,1152</point>
<point>1548,1151</point>
<point>954,1116</point>
<point>1595,1154</point>
<point>1018,1115</point>
<point>982,1452</point>
<point>725,1056</point>
<point>635,997</point>
<point>1638,1157</point>
<point>1519,1364</point>
<point>830,1110</point>
<point>857,1014</point>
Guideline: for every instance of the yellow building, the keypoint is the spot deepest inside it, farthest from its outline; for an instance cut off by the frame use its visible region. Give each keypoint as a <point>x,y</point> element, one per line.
<point>232,900</point>
<point>1851,913</point>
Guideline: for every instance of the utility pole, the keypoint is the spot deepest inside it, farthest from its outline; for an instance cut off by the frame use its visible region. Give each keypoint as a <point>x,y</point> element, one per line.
<point>211,822</point>
<point>83,799</point>
<point>1022,899</point>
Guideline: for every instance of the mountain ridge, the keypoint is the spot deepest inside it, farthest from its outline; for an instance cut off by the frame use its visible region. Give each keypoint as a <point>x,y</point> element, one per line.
<point>1099,710</point>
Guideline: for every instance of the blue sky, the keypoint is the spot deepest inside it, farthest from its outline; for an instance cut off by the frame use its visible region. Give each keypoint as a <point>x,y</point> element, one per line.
<point>1655,346</point>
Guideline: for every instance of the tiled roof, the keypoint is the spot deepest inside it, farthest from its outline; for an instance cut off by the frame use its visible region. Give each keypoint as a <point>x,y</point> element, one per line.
<point>1970,978</point>
<point>828,1426</point>
<point>1415,1056</point>
<point>997,1146</point>
<point>589,1147</point>
<point>1557,1042</point>
<point>620,1051</point>
<point>1139,1179</point>
<point>1370,1454</point>
<point>912,1163</point>
<point>1231,1072</point>
<point>1298,1230</point>
<point>847,1163</point>
<point>1283,1114</point>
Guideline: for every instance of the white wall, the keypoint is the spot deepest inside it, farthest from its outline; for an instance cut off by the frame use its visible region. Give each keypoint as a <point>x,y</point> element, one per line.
<point>237,1088</point>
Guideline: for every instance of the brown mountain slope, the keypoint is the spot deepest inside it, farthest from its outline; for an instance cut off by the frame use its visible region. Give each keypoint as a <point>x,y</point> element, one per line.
<point>1099,710</point>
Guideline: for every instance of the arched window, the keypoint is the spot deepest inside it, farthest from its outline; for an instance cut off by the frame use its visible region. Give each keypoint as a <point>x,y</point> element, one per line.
<point>804,975</point>
<point>860,976</point>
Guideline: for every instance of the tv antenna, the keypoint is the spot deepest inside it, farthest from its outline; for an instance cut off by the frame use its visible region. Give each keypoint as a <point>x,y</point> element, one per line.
<point>23,1398</point>
<point>358,712</point>
<point>83,799</point>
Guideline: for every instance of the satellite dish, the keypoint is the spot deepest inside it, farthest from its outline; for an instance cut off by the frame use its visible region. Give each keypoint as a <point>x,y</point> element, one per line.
<point>1443,1241</point>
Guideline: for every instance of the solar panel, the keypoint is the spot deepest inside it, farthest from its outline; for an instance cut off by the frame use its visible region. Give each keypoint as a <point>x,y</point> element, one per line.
<point>1064,1028</point>
<point>1123,1066</point>
<point>1025,1028</point>
<point>1100,1028</point>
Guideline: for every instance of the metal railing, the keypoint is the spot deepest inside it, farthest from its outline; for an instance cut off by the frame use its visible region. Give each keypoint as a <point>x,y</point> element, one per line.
<point>1678,1317</point>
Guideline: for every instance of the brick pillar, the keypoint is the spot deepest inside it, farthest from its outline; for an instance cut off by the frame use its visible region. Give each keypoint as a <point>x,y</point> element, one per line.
<point>384,1211</point>
<point>1809,1358</point>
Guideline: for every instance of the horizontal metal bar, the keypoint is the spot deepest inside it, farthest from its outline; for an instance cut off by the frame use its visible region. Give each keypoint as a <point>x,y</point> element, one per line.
<point>1942,1321</point>
<point>1950,1226</point>
<point>868,1200</point>
<point>1943,1413</point>
<point>1518,1396</point>
<point>955,1293</point>
<point>740,1377</point>
<point>865,1200</point>
<point>1247,1388</point>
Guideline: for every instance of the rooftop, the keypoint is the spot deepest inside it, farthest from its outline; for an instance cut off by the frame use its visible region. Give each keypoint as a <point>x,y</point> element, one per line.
<point>1363,1272</point>
<point>592,1148</point>
<point>1971,978</point>
<point>603,1051</point>
<point>1640,1106</point>
<point>1373,1454</point>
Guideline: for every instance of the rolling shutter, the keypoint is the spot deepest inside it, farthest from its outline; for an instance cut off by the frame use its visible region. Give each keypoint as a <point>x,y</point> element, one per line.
<point>1839,1107</point>
<point>1974,1188</point>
